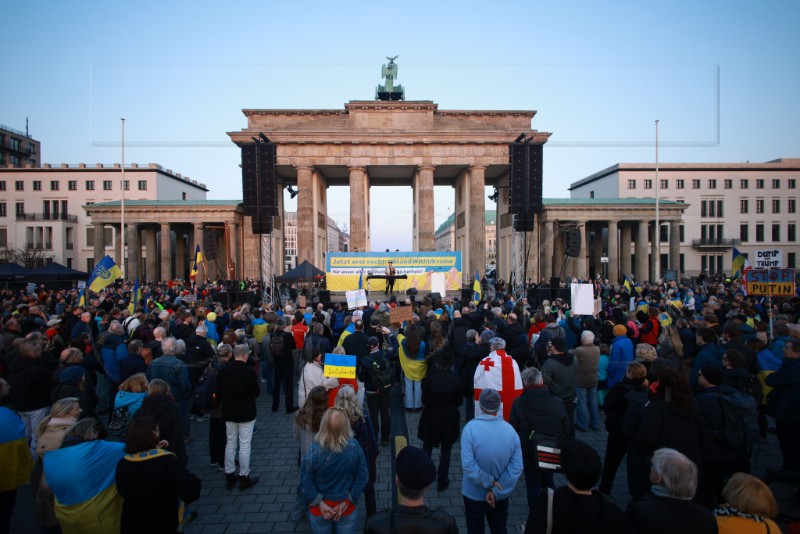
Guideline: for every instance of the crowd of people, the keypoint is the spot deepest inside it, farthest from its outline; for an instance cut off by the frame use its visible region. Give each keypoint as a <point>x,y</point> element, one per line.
<point>686,381</point>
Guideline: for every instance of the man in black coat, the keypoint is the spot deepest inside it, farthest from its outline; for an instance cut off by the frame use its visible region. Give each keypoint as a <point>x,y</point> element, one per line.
<point>414,473</point>
<point>237,390</point>
<point>198,349</point>
<point>537,410</point>
<point>476,349</point>
<point>282,366</point>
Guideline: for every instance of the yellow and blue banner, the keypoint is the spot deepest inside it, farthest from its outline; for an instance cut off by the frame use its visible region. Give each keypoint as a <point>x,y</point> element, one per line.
<point>476,288</point>
<point>136,297</point>
<point>739,264</point>
<point>627,284</point>
<point>339,366</point>
<point>104,274</point>
<point>15,470</point>
<point>82,478</point>
<point>345,269</point>
<point>198,257</point>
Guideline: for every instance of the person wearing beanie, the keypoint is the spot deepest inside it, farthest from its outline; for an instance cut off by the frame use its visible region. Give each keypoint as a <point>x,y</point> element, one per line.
<point>491,461</point>
<point>414,472</point>
<point>621,354</point>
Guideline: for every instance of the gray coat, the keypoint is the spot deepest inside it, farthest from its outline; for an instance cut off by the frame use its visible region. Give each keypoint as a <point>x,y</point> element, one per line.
<point>560,373</point>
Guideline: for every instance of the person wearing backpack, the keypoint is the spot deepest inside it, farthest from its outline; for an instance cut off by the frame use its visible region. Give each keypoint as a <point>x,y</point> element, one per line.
<point>616,409</point>
<point>281,347</point>
<point>376,374</point>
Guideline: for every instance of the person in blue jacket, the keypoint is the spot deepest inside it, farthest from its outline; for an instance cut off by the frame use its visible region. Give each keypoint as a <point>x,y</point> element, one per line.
<point>621,355</point>
<point>709,354</point>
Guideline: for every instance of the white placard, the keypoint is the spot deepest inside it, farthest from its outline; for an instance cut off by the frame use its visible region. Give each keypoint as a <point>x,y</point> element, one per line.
<point>768,259</point>
<point>582,299</point>
<point>356,298</point>
<point>438,283</point>
<point>31,288</point>
<point>81,284</point>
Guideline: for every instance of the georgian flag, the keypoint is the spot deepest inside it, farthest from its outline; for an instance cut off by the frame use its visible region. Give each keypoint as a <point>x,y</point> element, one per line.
<point>499,372</point>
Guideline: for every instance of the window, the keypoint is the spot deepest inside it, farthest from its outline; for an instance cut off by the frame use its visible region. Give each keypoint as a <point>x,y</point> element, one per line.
<point>106,185</point>
<point>20,208</point>
<point>759,233</point>
<point>776,205</point>
<point>54,185</point>
<point>14,144</point>
<point>679,183</point>
<point>664,233</point>
<point>791,205</point>
<point>3,209</point>
<point>90,237</point>
<point>728,183</point>
<point>791,183</point>
<point>142,185</point>
<point>743,206</point>
<point>663,184</point>
<point>681,233</point>
<point>776,183</point>
<point>744,233</point>
<point>759,183</point>
<point>695,184</point>
<point>72,185</point>
<point>90,185</point>
<point>2,185</point>
<point>37,185</point>
<point>791,232</point>
<point>744,183</point>
<point>759,205</point>
<point>648,184</point>
<point>89,265</point>
<point>776,232</point>
<point>792,261</point>
<point>719,208</point>
<point>712,183</point>
<point>703,232</point>
<point>4,237</point>
<point>127,185</point>
<point>19,185</point>
<point>703,208</point>
<point>631,184</point>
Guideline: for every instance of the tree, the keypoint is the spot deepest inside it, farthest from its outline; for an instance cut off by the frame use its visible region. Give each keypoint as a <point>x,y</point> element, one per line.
<point>30,258</point>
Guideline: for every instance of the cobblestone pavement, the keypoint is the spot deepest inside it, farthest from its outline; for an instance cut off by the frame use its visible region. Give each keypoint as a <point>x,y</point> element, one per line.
<point>266,507</point>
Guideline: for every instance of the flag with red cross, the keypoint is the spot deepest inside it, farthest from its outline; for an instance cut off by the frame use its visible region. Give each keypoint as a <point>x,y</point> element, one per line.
<point>498,371</point>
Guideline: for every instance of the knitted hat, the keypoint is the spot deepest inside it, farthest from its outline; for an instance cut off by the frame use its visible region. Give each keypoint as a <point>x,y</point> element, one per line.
<point>71,375</point>
<point>414,468</point>
<point>620,330</point>
<point>211,317</point>
<point>489,400</point>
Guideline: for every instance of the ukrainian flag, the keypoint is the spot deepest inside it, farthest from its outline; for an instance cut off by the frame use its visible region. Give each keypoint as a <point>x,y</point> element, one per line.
<point>739,263</point>
<point>361,280</point>
<point>476,288</point>
<point>104,274</point>
<point>15,470</point>
<point>136,297</point>
<point>82,299</point>
<point>198,257</point>
<point>627,284</point>
<point>83,481</point>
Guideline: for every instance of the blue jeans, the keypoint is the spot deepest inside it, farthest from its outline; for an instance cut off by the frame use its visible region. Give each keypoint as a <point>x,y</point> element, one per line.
<point>345,525</point>
<point>476,511</point>
<point>266,370</point>
<point>536,481</point>
<point>587,408</point>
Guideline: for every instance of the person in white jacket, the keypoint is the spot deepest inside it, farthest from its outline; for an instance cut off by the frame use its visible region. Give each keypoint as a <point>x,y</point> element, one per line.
<point>313,376</point>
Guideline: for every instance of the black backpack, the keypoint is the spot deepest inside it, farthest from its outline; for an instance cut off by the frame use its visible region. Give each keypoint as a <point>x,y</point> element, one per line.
<point>118,425</point>
<point>741,421</point>
<point>277,345</point>
<point>380,373</point>
<point>205,388</point>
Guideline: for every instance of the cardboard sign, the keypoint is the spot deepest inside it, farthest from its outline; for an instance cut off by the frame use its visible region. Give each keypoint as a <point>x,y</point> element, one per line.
<point>356,298</point>
<point>339,366</point>
<point>401,313</point>
<point>768,259</point>
<point>582,299</point>
<point>777,282</point>
<point>81,284</point>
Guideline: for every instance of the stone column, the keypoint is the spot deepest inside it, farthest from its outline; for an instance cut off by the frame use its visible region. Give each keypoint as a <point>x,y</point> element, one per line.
<point>558,251</point>
<point>359,210</point>
<point>582,263</point>
<point>547,250</point>
<point>674,245</point>
<point>597,249</point>
<point>423,209</point>
<point>613,253</point>
<point>625,249</point>
<point>306,218</point>
<point>134,253</point>
<point>233,249</point>
<point>152,253</point>
<point>640,268</point>
<point>655,253</point>
<point>119,248</point>
<point>99,243</point>
<point>180,253</point>
<point>198,240</point>
<point>166,252</point>
<point>476,218</point>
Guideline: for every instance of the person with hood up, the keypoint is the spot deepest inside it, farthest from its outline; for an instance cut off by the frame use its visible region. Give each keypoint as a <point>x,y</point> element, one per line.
<point>621,355</point>
<point>708,354</point>
<point>560,373</point>
<point>575,508</point>
<point>131,394</point>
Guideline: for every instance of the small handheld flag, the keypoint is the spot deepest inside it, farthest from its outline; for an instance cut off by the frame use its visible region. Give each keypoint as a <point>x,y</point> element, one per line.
<point>198,257</point>
<point>476,288</point>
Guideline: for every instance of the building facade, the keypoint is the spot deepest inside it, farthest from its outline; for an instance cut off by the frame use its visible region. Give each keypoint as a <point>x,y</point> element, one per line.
<point>752,206</point>
<point>445,236</point>
<point>18,149</point>
<point>42,209</point>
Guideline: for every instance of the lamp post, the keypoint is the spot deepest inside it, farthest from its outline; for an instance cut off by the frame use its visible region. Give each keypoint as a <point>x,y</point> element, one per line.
<point>657,232</point>
<point>122,207</point>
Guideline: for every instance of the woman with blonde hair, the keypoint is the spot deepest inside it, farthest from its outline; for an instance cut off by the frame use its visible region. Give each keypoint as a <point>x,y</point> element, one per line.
<point>50,434</point>
<point>307,419</point>
<point>749,507</point>
<point>646,354</point>
<point>333,475</point>
<point>347,400</point>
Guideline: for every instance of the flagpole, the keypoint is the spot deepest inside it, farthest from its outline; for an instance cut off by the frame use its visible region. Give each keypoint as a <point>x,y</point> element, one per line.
<point>657,236</point>
<point>122,207</point>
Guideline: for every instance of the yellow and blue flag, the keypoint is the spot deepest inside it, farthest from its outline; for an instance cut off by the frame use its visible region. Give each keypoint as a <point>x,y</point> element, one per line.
<point>104,274</point>
<point>361,280</point>
<point>82,478</point>
<point>627,284</point>
<point>476,288</point>
<point>14,450</point>
<point>136,297</point>
<point>739,264</point>
<point>82,299</point>
<point>198,257</point>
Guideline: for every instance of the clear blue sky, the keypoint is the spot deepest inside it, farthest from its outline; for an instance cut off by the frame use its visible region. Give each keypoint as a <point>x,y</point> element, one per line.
<point>598,74</point>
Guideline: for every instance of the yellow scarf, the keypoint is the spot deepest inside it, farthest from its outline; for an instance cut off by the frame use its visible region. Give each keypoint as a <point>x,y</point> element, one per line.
<point>414,370</point>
